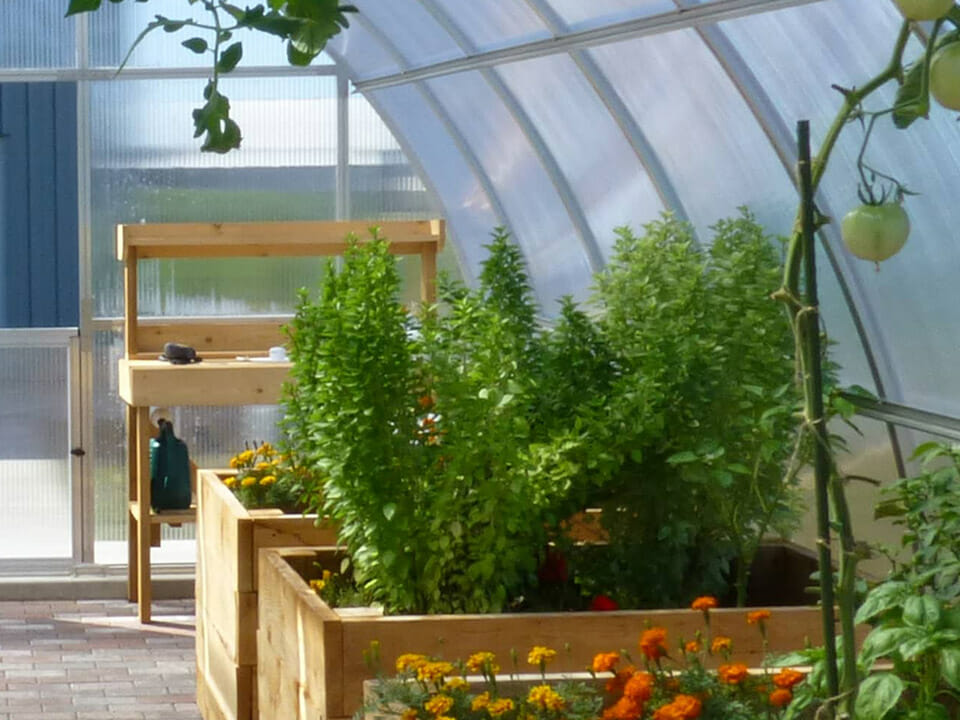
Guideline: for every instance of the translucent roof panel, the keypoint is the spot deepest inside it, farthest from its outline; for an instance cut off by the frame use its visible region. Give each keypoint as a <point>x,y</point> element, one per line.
<point>906,305</point>
<point>580,15</point>
<point>541,223</point>
<point>494,24</point>
<point>362,52</point>
<point>591,149</point>
<point>422,39</point>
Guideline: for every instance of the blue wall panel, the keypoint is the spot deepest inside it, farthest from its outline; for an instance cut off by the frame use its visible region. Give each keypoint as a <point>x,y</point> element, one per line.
<point>39,273</point>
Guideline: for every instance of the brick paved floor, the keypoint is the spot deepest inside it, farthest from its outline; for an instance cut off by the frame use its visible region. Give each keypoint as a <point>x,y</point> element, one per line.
<point>92,660</point>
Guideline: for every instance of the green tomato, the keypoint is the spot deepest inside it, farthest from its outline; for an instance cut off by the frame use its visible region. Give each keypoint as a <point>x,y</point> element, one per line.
<point>924,9</point>
<point>945,76</point>
<point>875,232</point>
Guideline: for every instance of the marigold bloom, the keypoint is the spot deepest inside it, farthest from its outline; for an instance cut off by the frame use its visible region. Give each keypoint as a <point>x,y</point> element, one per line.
<point>653,643</point>
<point>266,450</point>
<point>438,704</point>
<point>268,480</point>
<point>540,654</point>
<point>781,697</point>
<point>425,402</point>
<point>480,701</point>
<point>616,684</point>
<point>481,661</point>
<point>683,707</point>
<point>499,707</point>
<point>721,644</point>
<point>409,661</point>
<point>234,462</point>
<point>409,714</point>
<point>624,709</point>
<point>434,671</point>
<point>230,481</point>
<point>757,616</point>
<point>262,465</point>
<point>692,647</point>
<point>544,696</point>
<point>704,602</point>
<point>248,482</point>
<point>639,687</point>
<point>245,457</point>
<point>604,662</point>
<point>732,674</point>
<point>456,683</point>
<point>318,585</point>
<point>787,678</point>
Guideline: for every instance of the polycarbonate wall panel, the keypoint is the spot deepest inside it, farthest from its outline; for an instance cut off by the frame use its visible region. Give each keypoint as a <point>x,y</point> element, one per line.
<point>908,303</point>
<point>34,34</point>
<point>494,24</point>
<point>542,226</point>
<point>146,168</point>
<point>709,143</point>
<point>411,29</point>
<point>35,482</point>
<point>364,54</point>
<point>114,28</point>
<point>470,216</point>
<point>606,175</point>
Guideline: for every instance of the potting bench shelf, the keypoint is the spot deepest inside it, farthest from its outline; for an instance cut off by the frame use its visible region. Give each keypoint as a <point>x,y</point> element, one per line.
<point>222,378</point>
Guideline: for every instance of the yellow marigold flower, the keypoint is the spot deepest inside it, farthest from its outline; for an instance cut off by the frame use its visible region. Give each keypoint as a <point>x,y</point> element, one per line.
<point>266,450</point>
<point>692,647</point>
<point>757,616</point>
<point>721,644</point>
<point>479,661</point>
<point>248,482</point>
<point>245,457</point>
<point>317,585</point>
<point>480,701</point>
<point>439,704</point>
<point>234,462</point>
<point>434,671</point>
<point>456,683</point>
<point>705,603</point>
<point>653,643</point>
<point>262,465</point>
<point>268,480</point>
<point>603,662</point>
<point>732,674</point>
<point>230,481</point>
<point>499,707</point>
<point>327,575</point>
<point>780,697</point>
<point>787,678</point>
<point>409,714</point>
<point>544,696</point>
<point>540,654</point>
<point>410,661</point>
<point>443,717</point>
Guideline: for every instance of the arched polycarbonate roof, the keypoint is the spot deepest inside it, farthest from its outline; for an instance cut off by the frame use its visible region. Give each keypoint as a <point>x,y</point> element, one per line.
<point>562,119</point>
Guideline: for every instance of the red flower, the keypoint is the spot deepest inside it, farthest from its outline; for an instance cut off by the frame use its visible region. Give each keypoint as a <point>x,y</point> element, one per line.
<point>603,602</point>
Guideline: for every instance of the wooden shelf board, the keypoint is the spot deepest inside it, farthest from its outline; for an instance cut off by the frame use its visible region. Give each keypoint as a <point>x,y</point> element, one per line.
<point>166,517</point>
<point>215,381</point>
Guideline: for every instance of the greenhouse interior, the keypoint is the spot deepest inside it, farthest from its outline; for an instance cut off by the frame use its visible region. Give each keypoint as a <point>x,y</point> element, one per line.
<point>663,347</point>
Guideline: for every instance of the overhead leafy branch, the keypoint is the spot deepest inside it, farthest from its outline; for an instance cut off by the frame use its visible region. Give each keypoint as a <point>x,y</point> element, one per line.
<point>305,25</point>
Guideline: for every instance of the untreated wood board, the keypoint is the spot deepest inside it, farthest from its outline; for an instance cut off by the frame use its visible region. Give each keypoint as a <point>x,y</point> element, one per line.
<point>215,381</point>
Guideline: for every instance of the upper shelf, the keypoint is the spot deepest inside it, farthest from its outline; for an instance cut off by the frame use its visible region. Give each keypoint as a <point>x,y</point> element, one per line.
<point>270,239</point>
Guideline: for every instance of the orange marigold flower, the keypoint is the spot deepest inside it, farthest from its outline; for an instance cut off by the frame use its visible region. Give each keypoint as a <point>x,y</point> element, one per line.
<point>603,662</point>
<point>653,643</point>
<point>683,707</point>
<point>692,647</point>
<point>410,661</point>
<point>639,687</point>
<point>540,654</point>
<point>543,696</point>
<point>456,683</point>
<point>616,684</point>
<point>704,602</point>
<point>757,616</point>
<point>425,402</point>
<point>480,701</point>
<point>732,674</point>
<point>787,678</point>
<point>499,707</point>
<point>409,714</point>
<point>721,644</point>
<point>624,709</point>
<point>480,661</point>
<point>438,704</point>
<point>434,671</point>
<point>781,697</point>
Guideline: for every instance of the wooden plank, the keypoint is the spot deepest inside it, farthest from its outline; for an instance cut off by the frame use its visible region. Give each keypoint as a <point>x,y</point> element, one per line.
<point>141,451</point>
<point>428,274</point>
<point>231,336</point>
<point>130,310</point>
<point>211,382</point>
<point>262,239</point>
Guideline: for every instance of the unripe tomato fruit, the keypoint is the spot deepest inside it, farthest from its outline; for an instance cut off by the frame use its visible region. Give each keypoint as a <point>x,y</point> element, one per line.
<point>945,76</point>
<point>924,9</point>
<point>875,232</point>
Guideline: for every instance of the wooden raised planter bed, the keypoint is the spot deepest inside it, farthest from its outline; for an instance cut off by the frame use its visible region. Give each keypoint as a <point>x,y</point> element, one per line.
<point>228,539</point>
<point>311,657</point>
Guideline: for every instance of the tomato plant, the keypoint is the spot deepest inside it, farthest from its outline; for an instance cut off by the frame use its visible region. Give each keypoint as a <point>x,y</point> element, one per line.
<point>945,76</point>
<point>875,232</point>
<point>924,9</point>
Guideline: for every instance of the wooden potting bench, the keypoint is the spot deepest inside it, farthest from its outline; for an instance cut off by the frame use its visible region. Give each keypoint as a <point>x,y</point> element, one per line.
<point>220,379</point>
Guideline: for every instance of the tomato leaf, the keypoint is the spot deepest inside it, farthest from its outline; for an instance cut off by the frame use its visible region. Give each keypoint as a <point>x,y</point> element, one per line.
<point>81,6</point>
<point>195,44</point>
<point>911,101</point>
<point>230,57</point>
